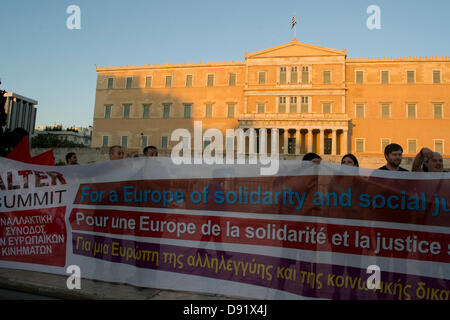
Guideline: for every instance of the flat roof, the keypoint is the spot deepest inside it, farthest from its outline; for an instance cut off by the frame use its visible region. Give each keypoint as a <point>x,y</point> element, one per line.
<point>18,96</point>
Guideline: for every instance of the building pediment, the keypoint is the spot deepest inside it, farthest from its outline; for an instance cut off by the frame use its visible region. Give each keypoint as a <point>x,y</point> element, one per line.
<point>295,49</point>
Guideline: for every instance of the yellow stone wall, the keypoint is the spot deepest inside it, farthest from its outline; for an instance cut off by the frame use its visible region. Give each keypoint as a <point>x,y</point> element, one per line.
<point>343,93</point>
<point>398,94</point>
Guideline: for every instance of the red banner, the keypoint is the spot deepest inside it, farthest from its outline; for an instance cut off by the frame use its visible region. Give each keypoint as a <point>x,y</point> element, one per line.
<point>34,236</point>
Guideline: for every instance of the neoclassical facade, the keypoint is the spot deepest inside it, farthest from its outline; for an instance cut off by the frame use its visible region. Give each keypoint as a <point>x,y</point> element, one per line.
<point>318,99</point>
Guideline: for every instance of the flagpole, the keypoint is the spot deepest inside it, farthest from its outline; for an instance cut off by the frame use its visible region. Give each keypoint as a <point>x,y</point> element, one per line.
<point>295,27</point>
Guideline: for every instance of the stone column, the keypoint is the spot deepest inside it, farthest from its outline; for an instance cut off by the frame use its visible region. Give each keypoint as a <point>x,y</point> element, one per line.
<point>297,141</point>
<point>310,139</point>
<point>334,142</point>
<point>274,141</point>
<point>321,141</point>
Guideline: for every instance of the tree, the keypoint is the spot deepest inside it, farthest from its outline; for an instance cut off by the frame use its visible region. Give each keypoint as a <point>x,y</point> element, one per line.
<point>53,141</point>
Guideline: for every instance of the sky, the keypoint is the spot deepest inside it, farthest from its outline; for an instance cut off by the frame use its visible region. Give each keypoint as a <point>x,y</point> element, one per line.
<point>40,58</point>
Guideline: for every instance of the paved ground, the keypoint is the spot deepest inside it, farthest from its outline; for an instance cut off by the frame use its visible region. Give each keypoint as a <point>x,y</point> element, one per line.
<point>18,295</point>
<point>20,284</point>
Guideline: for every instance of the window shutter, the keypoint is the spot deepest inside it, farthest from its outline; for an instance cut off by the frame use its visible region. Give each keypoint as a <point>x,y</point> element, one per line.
<point>326,76</point>
<point>385,111</point>
<point>438,111</point>
<point>189,80</point>
<point>359,77</point>
<point>384,77</point>
<point>436,76</point>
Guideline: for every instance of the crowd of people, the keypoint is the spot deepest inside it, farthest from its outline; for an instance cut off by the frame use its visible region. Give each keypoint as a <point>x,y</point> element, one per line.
<point>115,153</point>
<point>425,161</point>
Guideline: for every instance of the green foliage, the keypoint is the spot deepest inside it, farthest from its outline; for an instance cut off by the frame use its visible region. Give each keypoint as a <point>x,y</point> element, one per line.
<point>52,141</point>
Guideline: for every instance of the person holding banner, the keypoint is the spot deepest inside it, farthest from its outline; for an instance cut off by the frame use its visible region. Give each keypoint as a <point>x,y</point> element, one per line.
<point>350,160</point>
<point>314,157</point>
<point>116,153</point>
<point>71,159</point>
<point>393,154</point>
<point>428,161</point>
<point>150,151</point>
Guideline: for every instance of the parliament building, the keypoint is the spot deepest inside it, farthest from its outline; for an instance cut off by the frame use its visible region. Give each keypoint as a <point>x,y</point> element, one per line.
<point>318,99</point>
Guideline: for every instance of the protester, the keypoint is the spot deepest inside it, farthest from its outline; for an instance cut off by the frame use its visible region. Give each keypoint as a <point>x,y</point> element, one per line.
<point>150,151</point>
<point>393,154</point>
<point>314,157</point>
<point>428,161</point>
<point>349,160</point>
<point>116,153</point>
<point>71,158</point>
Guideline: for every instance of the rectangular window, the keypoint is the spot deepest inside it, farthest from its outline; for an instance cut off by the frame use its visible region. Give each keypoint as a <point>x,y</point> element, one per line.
<point>148,82</point>
<point>210,81</point>
<point>385,77</point>
<point>144,140</point>
<point>359,145</point>
<point>168,83</point>
<point>232,79</point>
<point>209,111</point>
<point>359,77</point>
<point>385,111</point>
<point>189,80</point>
<point>129,82</point>
<point>261,77</point>
<point>105,141</point>
<point>261,108</point>
<point>437,111</point>
<point>283,75</point>
<point>411,76</point>
<point>124,141</point>
<point>436,76</point>
<point>293,105</point>
<point>305,74</point>
<point>327,76</point>
<point>108,111</point>
<point>412,146</point>
<point>304,107</point>
<point>294,75</point>
<point>282,105</point>
<point>146,111</point>
<point>439,146</point>
<point>166,110</point>
<point>126,111</point>
<point>110,83</point>
<point>326,107</point>
<point>384,143</point>
<point>187,110</point>
<point>360,111</point>
<point>411,111</point>
<point>230,112</point>
<point>164,142</point>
